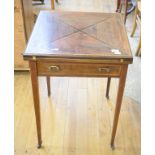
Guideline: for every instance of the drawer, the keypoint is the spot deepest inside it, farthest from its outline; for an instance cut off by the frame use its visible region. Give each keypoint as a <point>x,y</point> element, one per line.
<point>78,69</point>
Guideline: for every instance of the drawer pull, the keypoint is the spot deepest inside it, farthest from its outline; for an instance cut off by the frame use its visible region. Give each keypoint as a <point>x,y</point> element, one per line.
<point>54,68</point>
<point>104,69</point>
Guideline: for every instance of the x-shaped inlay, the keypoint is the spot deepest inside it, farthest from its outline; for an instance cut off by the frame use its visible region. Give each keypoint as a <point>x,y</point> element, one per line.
<point>77,33</point>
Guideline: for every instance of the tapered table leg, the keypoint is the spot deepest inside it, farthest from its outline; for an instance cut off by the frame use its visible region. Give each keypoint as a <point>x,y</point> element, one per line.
<point>35,90</point>
<point>118,102</point>
<point>48,85</point>
<point>108,87</point>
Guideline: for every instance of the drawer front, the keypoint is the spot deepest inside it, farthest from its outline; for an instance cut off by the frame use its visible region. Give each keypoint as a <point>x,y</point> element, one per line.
<point>78,69</point>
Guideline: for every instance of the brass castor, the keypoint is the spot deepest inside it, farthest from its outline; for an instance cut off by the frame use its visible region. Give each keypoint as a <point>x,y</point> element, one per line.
<point>39,145</point>
<point>107,96</point>
<point>113,146</point>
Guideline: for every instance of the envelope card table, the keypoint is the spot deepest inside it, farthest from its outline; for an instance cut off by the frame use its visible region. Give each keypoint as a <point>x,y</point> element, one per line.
<point>78,44</point>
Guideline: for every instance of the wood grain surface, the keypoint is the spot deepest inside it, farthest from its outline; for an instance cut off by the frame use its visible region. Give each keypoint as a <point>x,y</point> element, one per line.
<point>79,34</point>
<point>76,119</point>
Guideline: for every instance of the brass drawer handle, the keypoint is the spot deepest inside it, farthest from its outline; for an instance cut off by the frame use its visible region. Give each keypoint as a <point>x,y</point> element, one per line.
<point>54,68</point>
<point>104,69</point>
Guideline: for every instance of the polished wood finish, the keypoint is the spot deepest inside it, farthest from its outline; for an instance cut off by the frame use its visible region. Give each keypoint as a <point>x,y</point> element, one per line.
<point>35,88</point>
<point>72,44</point>
<point>23,25</point>
<point>78,69</point>
<point>62,35</point>
<point>119,101</point>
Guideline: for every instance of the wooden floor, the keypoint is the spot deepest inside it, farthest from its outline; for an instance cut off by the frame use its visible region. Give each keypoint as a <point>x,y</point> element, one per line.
<point>77,118</point>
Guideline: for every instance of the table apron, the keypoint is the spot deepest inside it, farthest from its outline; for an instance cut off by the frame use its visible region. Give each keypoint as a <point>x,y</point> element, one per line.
<point>78,69</point>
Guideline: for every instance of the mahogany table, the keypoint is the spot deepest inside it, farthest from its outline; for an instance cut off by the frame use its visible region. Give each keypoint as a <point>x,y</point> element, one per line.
<point>78,44</point>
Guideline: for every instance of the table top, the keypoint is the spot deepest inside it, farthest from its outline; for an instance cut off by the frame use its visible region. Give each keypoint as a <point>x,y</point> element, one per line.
<point>78,35</point>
